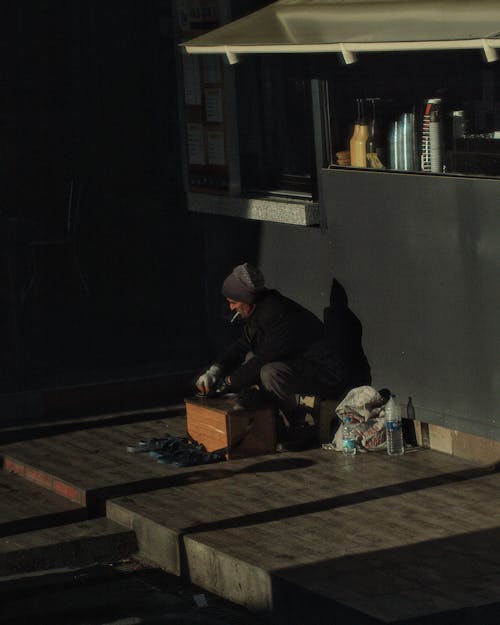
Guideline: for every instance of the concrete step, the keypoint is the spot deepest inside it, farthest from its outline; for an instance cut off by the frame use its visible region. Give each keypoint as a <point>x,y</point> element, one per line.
<point>128,593</point>
<point>84,460</point>
<point>41,530</point>
<point>300,537</point>
<point>185,531</point>
<point>45,479</point>
<point>311,535</point>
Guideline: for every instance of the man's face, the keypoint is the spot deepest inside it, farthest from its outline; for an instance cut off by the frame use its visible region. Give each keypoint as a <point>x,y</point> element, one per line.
<point>243,308</point>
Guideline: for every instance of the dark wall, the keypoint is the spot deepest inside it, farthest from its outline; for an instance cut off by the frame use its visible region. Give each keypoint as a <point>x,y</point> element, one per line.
<point>90,95</point>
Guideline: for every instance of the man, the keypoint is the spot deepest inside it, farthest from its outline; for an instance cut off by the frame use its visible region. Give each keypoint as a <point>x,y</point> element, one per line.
<point>282,352</point>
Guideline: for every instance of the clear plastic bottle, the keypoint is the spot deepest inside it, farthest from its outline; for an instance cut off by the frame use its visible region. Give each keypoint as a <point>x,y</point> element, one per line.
<point>394,428</point>
<point>348,436</point>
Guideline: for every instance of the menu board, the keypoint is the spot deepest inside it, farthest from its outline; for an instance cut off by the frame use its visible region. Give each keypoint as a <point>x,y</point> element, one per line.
<point>191,79</point>
<point>196,144</point>
<point>214,105</point>
<point>215,147</point>
<point>203,100</point>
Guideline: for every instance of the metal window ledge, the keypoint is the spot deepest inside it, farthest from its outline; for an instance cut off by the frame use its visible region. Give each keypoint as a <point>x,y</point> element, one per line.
<point>299,212</point>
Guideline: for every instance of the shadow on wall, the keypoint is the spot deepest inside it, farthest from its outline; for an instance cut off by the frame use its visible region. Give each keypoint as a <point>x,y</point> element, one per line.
<point>343,334</point>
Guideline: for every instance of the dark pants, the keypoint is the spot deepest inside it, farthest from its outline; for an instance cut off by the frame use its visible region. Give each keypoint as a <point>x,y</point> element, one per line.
<point>316,372</point>
<point>283,381</point>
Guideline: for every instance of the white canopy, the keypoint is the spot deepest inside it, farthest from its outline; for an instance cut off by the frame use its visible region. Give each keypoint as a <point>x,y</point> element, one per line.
<point>350,26</point>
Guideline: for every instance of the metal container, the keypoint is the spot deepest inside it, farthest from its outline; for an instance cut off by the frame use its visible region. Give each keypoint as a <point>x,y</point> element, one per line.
<point>394,146</point>
<point>407,144</point>
<point>402,143</point>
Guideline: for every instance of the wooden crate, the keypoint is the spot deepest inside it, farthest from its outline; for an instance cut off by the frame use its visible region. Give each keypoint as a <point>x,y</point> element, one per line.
<point>215,424</point>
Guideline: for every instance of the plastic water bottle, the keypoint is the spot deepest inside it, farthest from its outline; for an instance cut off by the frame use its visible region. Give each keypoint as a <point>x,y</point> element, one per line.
<point>394,428</point>
<point>348,437</point>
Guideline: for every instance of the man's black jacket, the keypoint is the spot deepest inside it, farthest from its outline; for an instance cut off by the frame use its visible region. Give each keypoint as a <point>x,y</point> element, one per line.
<point>279,329</point>
<point>329,360</point>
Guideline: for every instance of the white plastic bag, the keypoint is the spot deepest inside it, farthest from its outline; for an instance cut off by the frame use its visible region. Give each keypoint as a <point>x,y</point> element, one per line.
<point>364,405</point>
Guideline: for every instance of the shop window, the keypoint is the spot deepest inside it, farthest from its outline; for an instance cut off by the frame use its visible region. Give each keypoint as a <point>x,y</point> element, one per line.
<point>423,112</point>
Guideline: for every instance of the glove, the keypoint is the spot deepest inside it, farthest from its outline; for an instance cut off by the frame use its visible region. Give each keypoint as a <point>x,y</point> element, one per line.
<point>208,380</point>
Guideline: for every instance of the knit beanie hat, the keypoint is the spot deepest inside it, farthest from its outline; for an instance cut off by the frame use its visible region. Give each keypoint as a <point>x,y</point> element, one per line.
<point>244,284</point>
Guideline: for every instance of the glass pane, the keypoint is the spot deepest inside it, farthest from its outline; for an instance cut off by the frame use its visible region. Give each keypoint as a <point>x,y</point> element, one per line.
<point>275,125</point>
<point>420,112</point>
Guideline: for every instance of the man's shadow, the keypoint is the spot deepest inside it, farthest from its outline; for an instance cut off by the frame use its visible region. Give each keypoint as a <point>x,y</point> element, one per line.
<point>343,336</point>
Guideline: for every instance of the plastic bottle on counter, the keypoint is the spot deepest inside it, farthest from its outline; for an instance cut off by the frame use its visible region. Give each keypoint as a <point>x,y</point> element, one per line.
<point>374,158</point>
<point>355,130</point>
<point>348,436</point>
<point>357,144</point>
<point>394,428</point>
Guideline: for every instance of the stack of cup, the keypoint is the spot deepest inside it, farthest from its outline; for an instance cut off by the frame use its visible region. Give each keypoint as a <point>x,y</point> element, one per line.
<point>431,137</point>
<point>435,143</point>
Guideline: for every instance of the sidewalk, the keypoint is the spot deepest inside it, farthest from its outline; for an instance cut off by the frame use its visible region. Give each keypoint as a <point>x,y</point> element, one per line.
<point>310,537</point>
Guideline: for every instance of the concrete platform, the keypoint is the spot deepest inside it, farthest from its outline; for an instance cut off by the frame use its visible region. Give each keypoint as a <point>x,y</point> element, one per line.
<point>301,537</point>
<point>40,530</point>
<point>85,459</point>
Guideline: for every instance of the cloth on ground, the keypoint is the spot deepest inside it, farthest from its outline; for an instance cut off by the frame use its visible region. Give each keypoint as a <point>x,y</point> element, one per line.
<point>184,452</point>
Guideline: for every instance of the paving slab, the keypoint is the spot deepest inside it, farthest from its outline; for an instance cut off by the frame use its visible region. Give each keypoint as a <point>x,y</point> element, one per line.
<point>304,537</point>
<point>377,539</point>
<point>84,459</point>
<point>39,530</point>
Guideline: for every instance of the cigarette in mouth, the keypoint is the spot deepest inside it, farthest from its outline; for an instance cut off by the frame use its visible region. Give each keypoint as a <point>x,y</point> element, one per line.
<point>234,317</point>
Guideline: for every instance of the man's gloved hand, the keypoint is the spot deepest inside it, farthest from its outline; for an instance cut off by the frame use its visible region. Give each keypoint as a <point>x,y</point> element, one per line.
<point>208,380</point>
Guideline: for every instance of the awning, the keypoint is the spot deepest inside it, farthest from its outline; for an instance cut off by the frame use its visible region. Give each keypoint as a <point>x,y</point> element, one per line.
<point>351,26</point>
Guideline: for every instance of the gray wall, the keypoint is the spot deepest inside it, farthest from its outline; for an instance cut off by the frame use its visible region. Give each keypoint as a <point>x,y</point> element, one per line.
<point>296,260</point>
<point>299,262</point>
<point>419,258</point>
